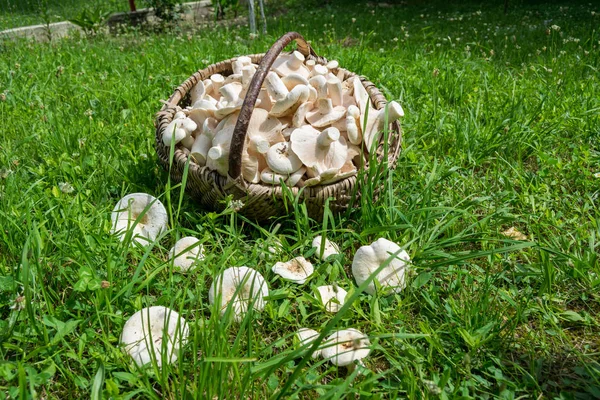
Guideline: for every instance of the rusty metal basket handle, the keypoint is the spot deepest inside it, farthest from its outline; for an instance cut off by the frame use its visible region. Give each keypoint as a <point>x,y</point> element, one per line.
<point>239,134</point>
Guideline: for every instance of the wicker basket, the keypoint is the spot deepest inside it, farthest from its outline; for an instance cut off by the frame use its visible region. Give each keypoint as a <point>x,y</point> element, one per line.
<point>260,201</point>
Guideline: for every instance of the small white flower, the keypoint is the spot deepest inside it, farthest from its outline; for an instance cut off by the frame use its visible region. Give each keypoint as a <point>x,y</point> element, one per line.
<point>236,205</point>
<point>597,175</point>
<point>555,28</point>
<point>66,187</point>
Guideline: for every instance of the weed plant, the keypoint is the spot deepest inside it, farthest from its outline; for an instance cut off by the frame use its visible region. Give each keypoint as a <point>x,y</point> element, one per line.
<point>501,131</point>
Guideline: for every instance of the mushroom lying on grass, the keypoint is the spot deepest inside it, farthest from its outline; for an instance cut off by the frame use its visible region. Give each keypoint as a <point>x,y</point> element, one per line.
<point>332,297</point>
<point>186,252</point>
<point>241,286</point>
<point>296,270</point>
<point>152,333</point>
<point>368,259</point>
<point>330,247</point>
<point>142,213</point>
<point>306,336</point>
<point>344,347</point>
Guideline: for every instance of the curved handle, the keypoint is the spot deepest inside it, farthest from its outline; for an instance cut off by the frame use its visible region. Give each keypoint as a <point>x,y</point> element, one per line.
<point>239,133</point>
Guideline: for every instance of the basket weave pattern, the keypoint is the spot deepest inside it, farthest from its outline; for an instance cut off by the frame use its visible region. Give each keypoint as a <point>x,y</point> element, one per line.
<point>261,201</point>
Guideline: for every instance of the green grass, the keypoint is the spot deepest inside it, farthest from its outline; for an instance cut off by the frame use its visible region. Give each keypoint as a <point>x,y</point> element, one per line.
<point>501,130</point>
<point>16,13</point>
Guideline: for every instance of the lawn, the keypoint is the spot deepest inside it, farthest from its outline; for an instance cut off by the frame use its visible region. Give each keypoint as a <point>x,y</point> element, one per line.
<point>16,13</point>
<point>501,132</point>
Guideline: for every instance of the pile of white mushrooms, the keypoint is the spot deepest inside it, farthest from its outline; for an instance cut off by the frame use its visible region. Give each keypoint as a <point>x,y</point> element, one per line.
<point>306,128</point>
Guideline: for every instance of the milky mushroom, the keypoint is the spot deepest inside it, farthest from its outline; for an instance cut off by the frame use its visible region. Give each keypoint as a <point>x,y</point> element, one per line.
<point>200,112</point>
<point>186,252</point>
<point>197,92</point>
<point>319,69</point>
<point>292,80</point>
<point>142,213</point>
<point>265,100</point>
<point>282,160</point>
<point>330,247</point>
<point>242,287</point>
<point>333,64</point>
<point>230,100</point>
<point>368,259</point>
<point>332,297</point>
<point>310,64</point>
<point>291,64</point>
<point>290,103</point>
<point>285,102</point>
<point>299,117</point>
<point>217,157</point>
<point>347,170</point>
<point>295,177</point>
<point>325,113</point>
<point>247,74</point>
<point>240,63</point>
<point>152,333</point>
<point>334,89</point>
<point>306,336</point>
<point>376,122</point>
<point>320,151</point>
<point>346,346</point>
<point>262,133</point>
<point>271,178</point>
<point>217,81</point>
<point>178,129</point>
<point>361,95</point>
<point>203,142</point>
<point>296,270</point>
<point>353,127</point>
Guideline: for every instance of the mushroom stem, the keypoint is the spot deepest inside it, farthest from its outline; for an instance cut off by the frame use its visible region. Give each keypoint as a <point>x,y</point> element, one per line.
<point>275,86</point>
<point>295,60</point>
<point>217,82</point>
<point>328,136</point>
<point>247,74</point>
<point>352,125</point>
<point>325,106</point>
<point>334,87</point>
<point>230,93</point>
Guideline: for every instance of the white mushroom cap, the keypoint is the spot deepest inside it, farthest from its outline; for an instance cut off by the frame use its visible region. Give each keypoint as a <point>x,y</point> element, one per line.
<point>320,151</point>
<point>241,285</point>
<point>330,247</point>
<point>333,297</point>
<point>376,122</point>
<point>292,80</point>
<point>344,347</point>
<point>154,332</point>
<point>270,177</point>
<point>361,95</point>
<point>296,270</point>
<point>184,259</point>
<point>282,160</point>
<point>197,92</point>
<point>152,215</point>
<point>295,177</point>
<point>370,258</point>
<point>306,336</point>
<point>178,129</point>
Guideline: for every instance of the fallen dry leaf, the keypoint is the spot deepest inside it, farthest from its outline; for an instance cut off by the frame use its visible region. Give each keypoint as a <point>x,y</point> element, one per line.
<point>513,233</point>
